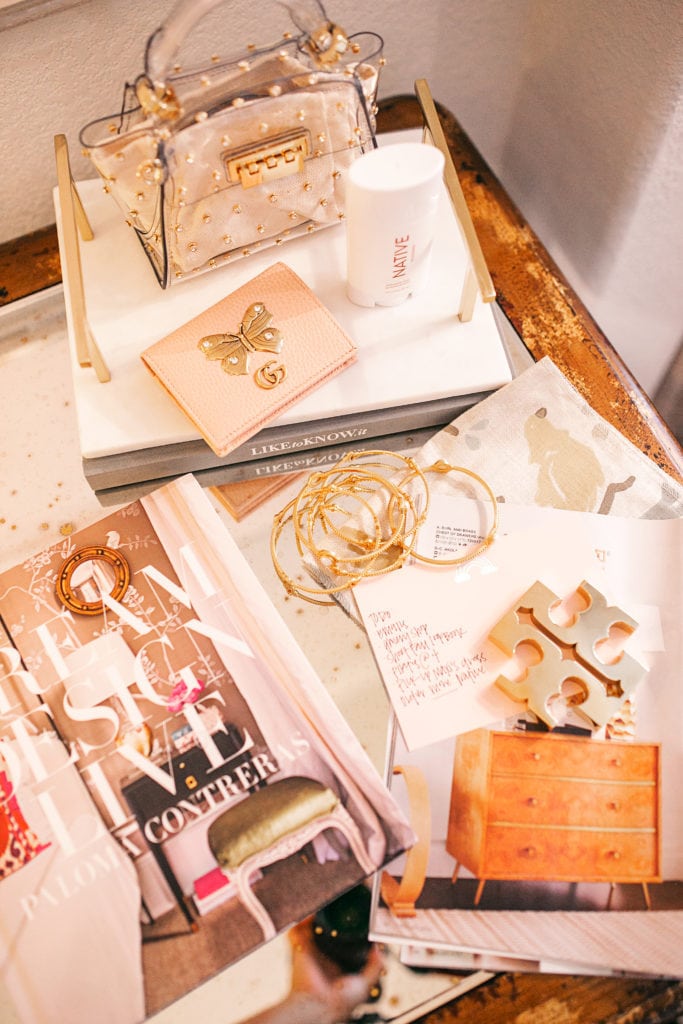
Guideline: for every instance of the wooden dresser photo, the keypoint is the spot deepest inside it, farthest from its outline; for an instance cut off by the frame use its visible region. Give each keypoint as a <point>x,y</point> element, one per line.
<point>549,807</point>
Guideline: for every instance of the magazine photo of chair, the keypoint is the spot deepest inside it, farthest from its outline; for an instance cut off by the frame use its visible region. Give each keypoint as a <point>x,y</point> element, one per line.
<point>272,824</point>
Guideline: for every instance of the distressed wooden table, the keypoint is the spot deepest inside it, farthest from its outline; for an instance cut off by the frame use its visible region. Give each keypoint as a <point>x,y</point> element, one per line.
<point>551,320</point>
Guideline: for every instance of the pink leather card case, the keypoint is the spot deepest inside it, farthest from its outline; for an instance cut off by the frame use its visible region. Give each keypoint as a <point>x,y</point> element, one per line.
<point>239,364</point>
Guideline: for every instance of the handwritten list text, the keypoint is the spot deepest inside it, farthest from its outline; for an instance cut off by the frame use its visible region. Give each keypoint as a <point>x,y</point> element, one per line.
<point>425,663</point>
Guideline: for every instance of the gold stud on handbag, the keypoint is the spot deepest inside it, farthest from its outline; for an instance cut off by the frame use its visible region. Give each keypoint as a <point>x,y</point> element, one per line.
<point>212,164</point>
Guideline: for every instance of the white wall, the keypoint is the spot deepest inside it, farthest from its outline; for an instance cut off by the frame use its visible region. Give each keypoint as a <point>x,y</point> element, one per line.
<point>575,104</point>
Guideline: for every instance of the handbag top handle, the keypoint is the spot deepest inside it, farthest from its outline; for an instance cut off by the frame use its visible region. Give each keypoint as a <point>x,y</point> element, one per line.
<point>325,41</point>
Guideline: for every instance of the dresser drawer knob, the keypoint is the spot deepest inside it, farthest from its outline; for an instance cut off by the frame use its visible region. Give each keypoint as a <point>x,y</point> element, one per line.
<point>535,756</point>
<point>528,851</point>
<point>616,762</point>
<point>532,801</point>
<point>614,805</point>
<point>614,854</point>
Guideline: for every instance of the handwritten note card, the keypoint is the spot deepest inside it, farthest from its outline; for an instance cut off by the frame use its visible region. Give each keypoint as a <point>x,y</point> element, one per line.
<point>429,626</point>
<point>435,667</point>
<point>425,662</point>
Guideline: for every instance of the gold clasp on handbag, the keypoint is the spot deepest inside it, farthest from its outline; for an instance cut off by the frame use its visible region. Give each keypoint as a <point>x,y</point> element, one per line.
<point>281,158</point>
<point>327,44</point>
<point>157,99</point>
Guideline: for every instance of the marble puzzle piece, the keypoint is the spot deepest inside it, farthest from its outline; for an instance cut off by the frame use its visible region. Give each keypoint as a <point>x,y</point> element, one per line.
<point>542,681</point>
<point>602,688</point>
<point>590,625</point>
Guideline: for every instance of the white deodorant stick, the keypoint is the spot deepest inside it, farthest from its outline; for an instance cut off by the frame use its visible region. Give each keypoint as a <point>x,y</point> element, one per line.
<point>392,198</point>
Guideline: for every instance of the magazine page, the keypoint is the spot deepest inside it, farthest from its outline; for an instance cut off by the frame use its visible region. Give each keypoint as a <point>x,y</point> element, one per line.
<point>546,834</point>
<point>177,786</point>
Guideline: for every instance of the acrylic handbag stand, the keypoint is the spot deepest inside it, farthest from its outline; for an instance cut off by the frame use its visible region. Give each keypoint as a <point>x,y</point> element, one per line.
<point>477,280</point>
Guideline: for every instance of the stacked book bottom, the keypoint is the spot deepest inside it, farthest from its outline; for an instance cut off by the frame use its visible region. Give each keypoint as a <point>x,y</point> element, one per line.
<point>300,460</point>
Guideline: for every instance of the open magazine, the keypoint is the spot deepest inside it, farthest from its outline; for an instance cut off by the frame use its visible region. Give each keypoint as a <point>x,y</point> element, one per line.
<point>176,785</point>
<point>549,827</point>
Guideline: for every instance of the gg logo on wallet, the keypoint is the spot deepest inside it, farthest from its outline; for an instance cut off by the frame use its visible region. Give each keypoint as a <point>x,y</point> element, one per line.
<point>270,374</point>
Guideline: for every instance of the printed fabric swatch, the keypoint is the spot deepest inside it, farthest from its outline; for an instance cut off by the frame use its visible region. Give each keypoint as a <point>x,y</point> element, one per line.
<point>537,441</point>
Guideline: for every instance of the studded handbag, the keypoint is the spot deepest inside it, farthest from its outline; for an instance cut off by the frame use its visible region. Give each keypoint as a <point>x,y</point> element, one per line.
<point>211,164</point>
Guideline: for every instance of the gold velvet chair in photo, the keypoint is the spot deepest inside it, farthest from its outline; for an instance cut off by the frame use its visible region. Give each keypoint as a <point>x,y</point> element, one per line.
<point>273,823</point>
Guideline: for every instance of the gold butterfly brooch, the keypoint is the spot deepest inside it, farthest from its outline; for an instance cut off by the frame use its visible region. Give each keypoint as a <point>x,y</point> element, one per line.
<point>254,334</point>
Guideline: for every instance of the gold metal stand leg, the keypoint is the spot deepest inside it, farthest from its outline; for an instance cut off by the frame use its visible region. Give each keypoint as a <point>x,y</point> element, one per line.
<point>646,894</point>
<point>74,218</point>
<point>478,279</point>
<point>82,222</point>
<point>468,296</point>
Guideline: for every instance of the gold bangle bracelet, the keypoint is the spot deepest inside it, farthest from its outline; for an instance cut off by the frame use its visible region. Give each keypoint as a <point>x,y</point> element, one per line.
<point>373,480</point>
<point>314,594</point>
<point>370,487</point>
<point>312,506</point>
<point>443,468</point>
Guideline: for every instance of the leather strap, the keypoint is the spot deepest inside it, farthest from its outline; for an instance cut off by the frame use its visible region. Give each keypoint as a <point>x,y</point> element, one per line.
<point>400,896</point>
